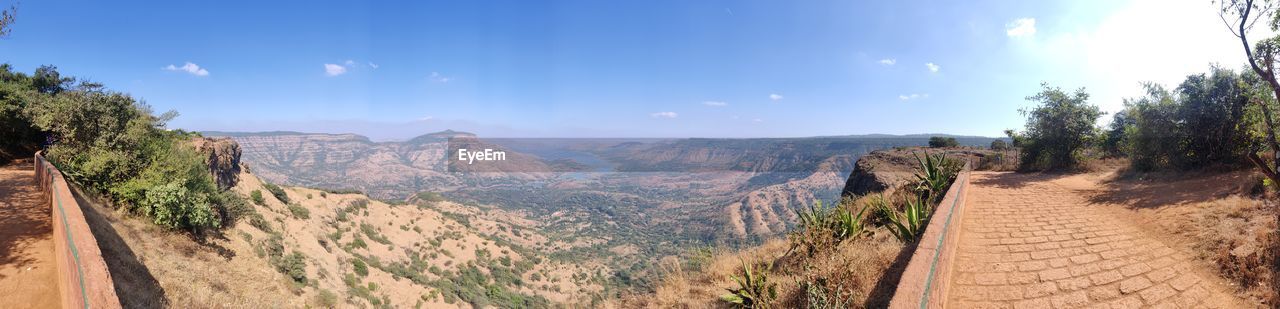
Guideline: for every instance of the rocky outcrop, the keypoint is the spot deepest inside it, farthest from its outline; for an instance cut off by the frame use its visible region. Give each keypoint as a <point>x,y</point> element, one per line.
<point>223,157</point>
<point>886,169</point>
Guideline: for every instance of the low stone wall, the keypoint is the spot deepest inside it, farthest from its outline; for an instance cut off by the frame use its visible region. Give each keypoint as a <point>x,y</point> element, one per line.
<point>83,278</point>
<point>926,279</point>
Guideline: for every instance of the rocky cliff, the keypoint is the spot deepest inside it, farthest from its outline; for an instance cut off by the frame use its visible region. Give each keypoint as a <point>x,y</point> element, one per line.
<point>223,158</point>
<point>885,169</point>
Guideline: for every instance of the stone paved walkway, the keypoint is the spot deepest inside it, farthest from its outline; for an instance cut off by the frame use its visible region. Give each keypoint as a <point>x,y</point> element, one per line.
<point>27,266</point>
<point>1028,242</point>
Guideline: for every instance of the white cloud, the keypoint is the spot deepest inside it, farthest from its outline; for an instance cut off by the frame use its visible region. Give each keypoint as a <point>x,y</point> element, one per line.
<point>190,68</point>
<point>334,70</point>
<point>427,118</point>
<point>373,65</point>
<point>933,68</point>
<point>715,103</point>
<point>1022,27</point>
<point>913,96</point>
<point>349,62</point>
<point>667,115</point>
<point>775,96</point>
<point>436,77</point>
<point>757,120</point>
<point>888,61</point>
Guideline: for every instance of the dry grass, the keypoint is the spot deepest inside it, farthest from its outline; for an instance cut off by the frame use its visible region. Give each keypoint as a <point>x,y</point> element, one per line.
<point>154,268</point>
<point>1225,220</point>
<point>1239,235</point>
<point>853,269</point>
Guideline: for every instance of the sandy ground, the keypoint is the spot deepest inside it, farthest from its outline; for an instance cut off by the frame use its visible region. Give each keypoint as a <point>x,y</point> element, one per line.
<point>1032,240</point>
<point>27,274</point>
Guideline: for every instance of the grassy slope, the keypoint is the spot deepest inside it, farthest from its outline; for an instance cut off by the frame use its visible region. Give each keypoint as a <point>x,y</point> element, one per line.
<point>156,267</point>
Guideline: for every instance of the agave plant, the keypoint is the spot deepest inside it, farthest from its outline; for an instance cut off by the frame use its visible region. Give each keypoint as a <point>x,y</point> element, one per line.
<point>812,216</point>
<point>840,222</point>
<point>754,289</point>
<point>934,174</point>
<point>908,224</point>
<point>846,224</point>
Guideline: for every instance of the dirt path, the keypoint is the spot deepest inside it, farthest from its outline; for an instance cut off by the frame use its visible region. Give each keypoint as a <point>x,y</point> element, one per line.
<point>27,274</point>
<point>1035,241</point>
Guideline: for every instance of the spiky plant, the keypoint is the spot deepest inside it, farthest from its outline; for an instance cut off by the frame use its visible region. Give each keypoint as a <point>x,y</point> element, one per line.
<point>846,224</point>
<point>909,223</point>
<point>934,174</point>
<point>754,289</point>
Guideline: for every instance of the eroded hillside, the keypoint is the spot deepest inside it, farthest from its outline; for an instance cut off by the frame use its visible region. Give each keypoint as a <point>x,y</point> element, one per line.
<point>322,249</point>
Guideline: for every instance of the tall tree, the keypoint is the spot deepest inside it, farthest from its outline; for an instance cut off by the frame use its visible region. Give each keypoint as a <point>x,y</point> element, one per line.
<point>1241,16</point>
<point>7,17</point>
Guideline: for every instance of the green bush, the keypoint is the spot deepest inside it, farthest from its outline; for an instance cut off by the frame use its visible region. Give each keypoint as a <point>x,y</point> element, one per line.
<point>1057,129</point>
<point>373,234</point>
<point>1205,120</point>
<point>299,212</point>
<point>256,196</point>
<point>327,299</point>
<point>277,192</point>
<point>939,142</point>
<point>359,267</point>
<point>294,265</point>
<point>111,143</point>
<point>999,145</point>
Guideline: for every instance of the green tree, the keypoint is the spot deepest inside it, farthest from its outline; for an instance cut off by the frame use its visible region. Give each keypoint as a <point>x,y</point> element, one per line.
<point>1240,16</point>
<point>939,142</point>
<point>999,145</point>
<point>7,17</point>
<point>1150,137</point>
<point>1057,129</point>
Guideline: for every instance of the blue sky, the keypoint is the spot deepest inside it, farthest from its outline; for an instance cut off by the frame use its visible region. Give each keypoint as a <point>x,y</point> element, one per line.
<point>612,69</point>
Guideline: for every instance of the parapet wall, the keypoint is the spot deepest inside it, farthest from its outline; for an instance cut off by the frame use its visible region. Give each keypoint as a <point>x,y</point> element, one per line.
<point>83,278</point>
<point>925,281</point>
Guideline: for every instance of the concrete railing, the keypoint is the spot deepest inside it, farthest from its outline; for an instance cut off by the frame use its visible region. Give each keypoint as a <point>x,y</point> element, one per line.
<point>83,278</point>
<point>925,281</point>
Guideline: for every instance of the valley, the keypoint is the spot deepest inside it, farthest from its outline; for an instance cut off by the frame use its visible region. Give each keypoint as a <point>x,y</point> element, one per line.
<point>620,204</point>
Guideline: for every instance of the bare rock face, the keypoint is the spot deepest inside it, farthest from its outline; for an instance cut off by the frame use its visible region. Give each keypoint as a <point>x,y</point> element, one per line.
<point>223,159</point>
<point>878,171</point>
<point>886,169</point>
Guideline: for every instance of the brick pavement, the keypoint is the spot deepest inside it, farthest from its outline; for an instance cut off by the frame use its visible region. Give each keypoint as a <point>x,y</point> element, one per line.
<point>1027,242</point>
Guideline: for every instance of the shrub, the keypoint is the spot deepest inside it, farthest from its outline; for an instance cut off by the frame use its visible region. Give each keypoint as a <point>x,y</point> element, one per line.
<point>327,299</point>
<point>939,142</point>
<point>113,144</point>
<point>999,145</point>
<point>294,265</point>
<point>256,220</point>
<point>277,192</point>
<point>256,196</point>
<point>754,289</point>
<point>1205,120</point>
<point>299,212</point>
<point>359,267</point>
<point>1057,129</point>
<point>373,234</point>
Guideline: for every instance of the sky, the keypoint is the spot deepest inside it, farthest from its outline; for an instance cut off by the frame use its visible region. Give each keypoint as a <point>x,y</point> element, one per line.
<point>393,70</point>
